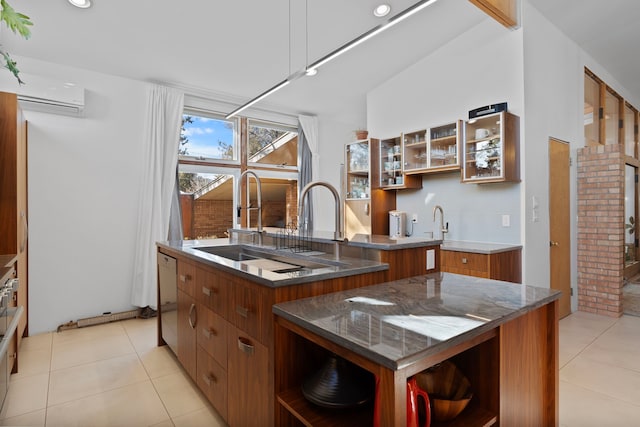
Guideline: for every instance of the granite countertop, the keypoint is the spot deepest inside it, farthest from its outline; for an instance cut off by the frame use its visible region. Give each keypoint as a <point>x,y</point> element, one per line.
<point>325,266</point>
<point>478,247</point>
<point>386,243</point>
<point>397,323</point>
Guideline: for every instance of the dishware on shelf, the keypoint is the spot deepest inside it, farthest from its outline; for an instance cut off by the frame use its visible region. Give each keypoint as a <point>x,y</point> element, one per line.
<point>448,389</point>
<point>339,384</point>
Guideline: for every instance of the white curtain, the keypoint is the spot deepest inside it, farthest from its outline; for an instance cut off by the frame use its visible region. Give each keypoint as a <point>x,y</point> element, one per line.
<point>160,146</point>
<point>309,125</point>
<point>308,165</point>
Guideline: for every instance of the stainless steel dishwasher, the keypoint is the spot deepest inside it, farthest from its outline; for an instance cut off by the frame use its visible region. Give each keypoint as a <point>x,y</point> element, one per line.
<point>168,301</point>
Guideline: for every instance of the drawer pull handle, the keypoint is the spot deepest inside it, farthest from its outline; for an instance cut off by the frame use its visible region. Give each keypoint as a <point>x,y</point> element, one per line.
<point>245,346</point>
<point>185,277</point>
<point>193,316</point>
<point>208,332</point>
<point>209,379</point>
<point>242,311</point>
<point>206,291</point>
<point>464,260</point>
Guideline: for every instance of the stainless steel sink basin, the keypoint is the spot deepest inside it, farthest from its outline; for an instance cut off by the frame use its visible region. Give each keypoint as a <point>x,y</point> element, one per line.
<point>277,263</point>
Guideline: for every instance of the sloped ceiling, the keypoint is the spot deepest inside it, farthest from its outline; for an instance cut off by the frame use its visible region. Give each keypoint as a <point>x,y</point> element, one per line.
<point>237,49</point>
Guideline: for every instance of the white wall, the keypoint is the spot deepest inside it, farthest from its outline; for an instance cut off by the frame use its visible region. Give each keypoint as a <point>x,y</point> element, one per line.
<point>482,66</point>
<point>83,198</point>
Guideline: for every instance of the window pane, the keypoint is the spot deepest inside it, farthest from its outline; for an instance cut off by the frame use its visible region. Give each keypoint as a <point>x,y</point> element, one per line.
<point>612,118</point>
<point>206,200</point>
<point>206,137</point>
<point>272,144</point>
<point>591,111</point>
<point>629,133</point>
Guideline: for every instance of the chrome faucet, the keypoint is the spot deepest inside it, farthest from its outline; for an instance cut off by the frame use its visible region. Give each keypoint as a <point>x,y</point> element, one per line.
<point>249,208</point>
<point>443,228</point>
<point>337,233</point>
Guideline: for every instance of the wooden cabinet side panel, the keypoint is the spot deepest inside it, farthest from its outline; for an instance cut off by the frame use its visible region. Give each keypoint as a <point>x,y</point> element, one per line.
<point>8,173</point>
<point>529,369</point>
<point>506,266</point>
<point>511,147</point>
<point>409,262</point>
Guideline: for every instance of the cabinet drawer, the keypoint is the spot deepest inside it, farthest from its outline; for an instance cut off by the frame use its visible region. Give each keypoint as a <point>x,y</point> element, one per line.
<point>187,277</point>
<point>212,335</point>
<point>250,310</point>
<point>212,380</point>
<point>212,290</point>
<point>469,263</point>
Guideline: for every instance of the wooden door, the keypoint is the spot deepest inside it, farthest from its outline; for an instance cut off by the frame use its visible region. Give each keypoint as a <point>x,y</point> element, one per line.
<point>187,321</point>
<point>250,390</point>
<point>559,225</point>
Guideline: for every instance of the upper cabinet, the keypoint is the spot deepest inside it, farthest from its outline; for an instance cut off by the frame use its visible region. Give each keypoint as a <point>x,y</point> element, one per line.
<point>490,150</point>
<point>392,162</point>
<point>503,11</point>
<point>357,167</point>
<point>433,150</point>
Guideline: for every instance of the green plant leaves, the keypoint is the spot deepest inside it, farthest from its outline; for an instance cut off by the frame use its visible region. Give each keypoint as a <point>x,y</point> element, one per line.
<point>10,65</point>
<point>17,22</point>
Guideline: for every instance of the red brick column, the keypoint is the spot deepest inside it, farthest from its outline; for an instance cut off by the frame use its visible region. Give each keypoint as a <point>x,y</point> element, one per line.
<point>600,229</point>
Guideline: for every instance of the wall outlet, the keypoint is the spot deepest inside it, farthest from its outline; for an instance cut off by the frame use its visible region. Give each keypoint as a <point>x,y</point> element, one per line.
<point>414,218</point>
<point>506,220</point>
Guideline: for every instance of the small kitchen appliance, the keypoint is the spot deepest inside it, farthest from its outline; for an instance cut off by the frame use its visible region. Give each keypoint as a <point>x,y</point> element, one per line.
<point>397,224</point>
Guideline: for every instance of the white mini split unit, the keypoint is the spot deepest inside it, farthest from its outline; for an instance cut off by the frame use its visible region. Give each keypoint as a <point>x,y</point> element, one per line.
<point>50,96</point>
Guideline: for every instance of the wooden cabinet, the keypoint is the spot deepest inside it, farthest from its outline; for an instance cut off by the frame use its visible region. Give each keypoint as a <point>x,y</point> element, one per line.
<point>491,149</point>
<point>250,385</point>
<point>391,166</point>
<point>213,381</point>
<point>13,197</point>
<point>433,150</point>
<point>187,322</point>
<point>498,266</point>
<point>366,205</point>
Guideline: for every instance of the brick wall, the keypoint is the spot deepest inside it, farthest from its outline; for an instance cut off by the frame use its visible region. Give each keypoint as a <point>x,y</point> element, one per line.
<point>600,229</point>
<point>212,218</point>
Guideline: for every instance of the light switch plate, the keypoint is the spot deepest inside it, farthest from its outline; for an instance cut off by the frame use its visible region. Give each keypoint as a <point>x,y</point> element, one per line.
<point>506,220</point>
<point>431,259</point>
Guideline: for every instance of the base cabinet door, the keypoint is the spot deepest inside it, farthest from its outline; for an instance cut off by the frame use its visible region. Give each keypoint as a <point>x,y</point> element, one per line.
<point>187,324</point>
<point>249,390</point>
<point>212,380</point>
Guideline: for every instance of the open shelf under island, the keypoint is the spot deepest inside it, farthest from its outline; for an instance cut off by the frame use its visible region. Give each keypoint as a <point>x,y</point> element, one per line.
<point>503,336</point>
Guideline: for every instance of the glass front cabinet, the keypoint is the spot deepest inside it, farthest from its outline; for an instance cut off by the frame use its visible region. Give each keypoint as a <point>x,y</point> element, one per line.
<point>432,150</point>
<point>357,165</point>
<point>490,150</point>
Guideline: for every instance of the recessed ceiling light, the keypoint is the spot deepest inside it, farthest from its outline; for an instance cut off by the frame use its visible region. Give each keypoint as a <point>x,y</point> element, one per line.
<point>311,71</point>
<point>81,3</point>
<point>382,10</point>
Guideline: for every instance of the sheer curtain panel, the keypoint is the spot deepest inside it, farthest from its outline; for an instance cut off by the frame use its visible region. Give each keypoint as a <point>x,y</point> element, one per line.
<point>308,161</point>
<point>160,147</point>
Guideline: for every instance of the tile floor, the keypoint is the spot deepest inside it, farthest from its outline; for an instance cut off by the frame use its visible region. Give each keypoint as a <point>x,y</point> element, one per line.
<point>114,375</point>
<point>106,375</point>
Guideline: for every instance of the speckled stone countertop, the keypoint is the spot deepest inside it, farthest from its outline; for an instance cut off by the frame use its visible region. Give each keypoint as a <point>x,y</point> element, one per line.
<point>478,247</point>
<point>387,243</point>
<point>330,268</point>
<point>397,323</point>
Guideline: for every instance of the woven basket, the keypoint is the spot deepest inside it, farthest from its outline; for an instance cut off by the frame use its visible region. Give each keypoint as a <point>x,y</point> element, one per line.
<point>448,389</point>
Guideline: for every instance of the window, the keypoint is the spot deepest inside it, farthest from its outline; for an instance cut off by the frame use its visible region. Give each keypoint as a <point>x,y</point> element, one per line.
<point>272,144</point>
<point>207,136</point>
<point>591,110</point>
<point>612,117</point>
<point>210,165</point>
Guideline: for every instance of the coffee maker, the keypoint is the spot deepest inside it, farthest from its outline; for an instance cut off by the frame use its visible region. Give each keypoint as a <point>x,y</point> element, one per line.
<point>397,224</point>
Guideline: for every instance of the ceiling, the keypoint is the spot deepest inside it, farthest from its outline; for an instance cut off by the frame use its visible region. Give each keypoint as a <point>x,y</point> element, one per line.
<point>237,49</point>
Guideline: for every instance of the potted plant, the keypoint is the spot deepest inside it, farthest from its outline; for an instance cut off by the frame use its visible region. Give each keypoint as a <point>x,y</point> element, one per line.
<point>17,23</point>
<point>361,134</point>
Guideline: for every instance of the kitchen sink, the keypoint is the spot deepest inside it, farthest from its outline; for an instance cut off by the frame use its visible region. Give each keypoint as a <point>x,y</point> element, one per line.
<point>275,262</point>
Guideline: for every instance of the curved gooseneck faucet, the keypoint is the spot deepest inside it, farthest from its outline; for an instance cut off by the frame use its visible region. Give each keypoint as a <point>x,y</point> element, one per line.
<point>337,234</point>
<point>443,228</point>
<point>259,191</point>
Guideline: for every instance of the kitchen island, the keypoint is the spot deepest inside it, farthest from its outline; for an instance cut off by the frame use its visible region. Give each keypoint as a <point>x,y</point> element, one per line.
<point>220,307</point>
<point>504,337</point>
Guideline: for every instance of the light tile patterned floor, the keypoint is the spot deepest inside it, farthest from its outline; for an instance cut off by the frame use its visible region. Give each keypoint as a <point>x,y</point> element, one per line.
<point>115,375</point>
<point>106,375</point>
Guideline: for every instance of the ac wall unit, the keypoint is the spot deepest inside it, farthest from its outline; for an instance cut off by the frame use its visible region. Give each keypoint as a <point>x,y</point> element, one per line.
<point>50,96</point>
